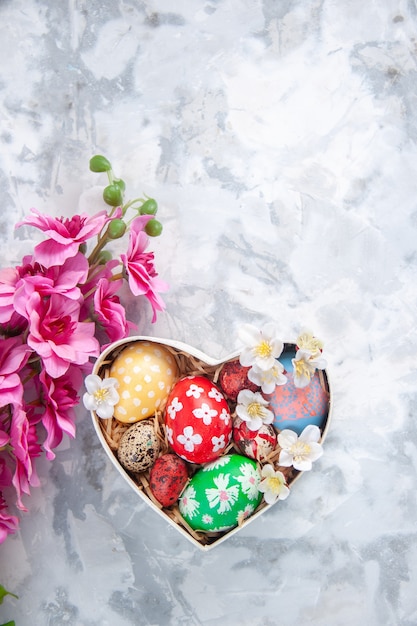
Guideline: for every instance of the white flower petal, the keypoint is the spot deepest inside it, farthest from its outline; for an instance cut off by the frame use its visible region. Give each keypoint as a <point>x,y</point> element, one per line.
<point>316,451</point>
<point>92,383</point>
<point>267,471</point>
<point>89,402</point>
<point>277,347</point>
<point>254,423</point>
<point>270,497</point>
<point>287,438</point>
<point>246,358</point>
<point>245,396</point>
<point>285,458</point>
<point>105,411</point>
<point>303,465</point>
<point>311,433</point>
<point>284,493</point>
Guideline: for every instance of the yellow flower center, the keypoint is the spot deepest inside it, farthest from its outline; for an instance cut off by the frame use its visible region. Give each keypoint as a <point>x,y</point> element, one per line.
<point>300,450</point>
<point>302,369</point>
<point>255,409</point>
<point>263,349</point>
<point>308,342</point>
<point>101,395</point>
<point>274,484</point>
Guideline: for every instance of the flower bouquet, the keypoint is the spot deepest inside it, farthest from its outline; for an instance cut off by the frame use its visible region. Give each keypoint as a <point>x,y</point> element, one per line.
<point>57,309</point>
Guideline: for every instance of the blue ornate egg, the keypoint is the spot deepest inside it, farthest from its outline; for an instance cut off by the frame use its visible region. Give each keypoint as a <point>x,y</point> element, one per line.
<point>296,408</point>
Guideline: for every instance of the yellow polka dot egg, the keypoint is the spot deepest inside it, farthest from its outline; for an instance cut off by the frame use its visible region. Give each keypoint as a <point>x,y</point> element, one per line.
<point>145,372</point>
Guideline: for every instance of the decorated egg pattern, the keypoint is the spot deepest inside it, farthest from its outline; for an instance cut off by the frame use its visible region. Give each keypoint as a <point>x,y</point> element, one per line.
<point>138,447</point>
<point>256,444</point>
<point>296,408</point>
<point>145,372</point>
<point>197,419</point>
<point>167,478</point>
<point>233,378</point>
<point>222,494</point>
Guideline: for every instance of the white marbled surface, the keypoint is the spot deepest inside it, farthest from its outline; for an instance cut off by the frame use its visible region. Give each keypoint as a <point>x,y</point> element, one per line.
<point>279,138</point>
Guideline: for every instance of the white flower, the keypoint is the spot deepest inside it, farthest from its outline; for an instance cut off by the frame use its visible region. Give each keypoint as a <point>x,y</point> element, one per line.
<point>101,395</point>
<point>170,434</point>
<point>273,485</point>
<point>307,341</point>
<point>207,519</point>
<point>188,504</point>
<point>215,394</point>
<point>218,443</point>
<point>252,409</point>
<point>225,416</point>
<point>300,451</point>
<point>268,379</point>
<point>223,495</point>
<point>261,346</point>
<point>205,413</point>
<point>194,391</point>
<point>249,480</point>
<point>304,367</point>
<point>174,407</point>
<point>245,513</point>
<point>189,439</point>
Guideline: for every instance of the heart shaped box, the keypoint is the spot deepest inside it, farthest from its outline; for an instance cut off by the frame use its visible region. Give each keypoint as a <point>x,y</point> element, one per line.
<point>107,357</point>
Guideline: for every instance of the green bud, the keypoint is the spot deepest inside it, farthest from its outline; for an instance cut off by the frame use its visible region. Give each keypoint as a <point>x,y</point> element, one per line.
<point>99,163</point>
<point>116,229</point>
<point>113,195</point>
<point>149,207</point>
<point>120,183</point>
<point>153,228</point>
<point>104,257</point>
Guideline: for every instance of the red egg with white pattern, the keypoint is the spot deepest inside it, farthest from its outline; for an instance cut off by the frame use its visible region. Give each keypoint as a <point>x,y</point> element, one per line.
<point>197,420</point>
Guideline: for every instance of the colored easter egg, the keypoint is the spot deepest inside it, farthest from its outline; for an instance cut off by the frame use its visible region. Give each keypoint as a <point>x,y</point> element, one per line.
<point>221,494</point>
<point>145,372</point>
<point>167,478</point>
<point>197,419</point>
<point>138,447</point>
<point>233,378</point>
<point>256,444</point>
<point>296,408</point>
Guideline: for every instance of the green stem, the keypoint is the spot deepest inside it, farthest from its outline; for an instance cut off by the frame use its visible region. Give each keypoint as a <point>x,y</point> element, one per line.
<point>131,203</point>
<point>102,240</point>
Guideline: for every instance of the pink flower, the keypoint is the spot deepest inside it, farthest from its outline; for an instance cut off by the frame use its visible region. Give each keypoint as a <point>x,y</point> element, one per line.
<point>17,284</point>
<point>8,523</point>
<point>65,235</point>
<point>25,447</point>
<point>56,334</point>
<point>9,277</point>
<point>60,398</point>
<point>13,356</point>
<point>108,310</point>
<point>47,281</point>
<point>140,267</point>
<point>88,288</point>
<point>5,474</point>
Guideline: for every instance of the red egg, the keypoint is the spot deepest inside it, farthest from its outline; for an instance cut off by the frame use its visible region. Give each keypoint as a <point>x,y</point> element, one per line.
<point>233,378</point>
<point>197,419</point>
<point>256,444</point>
<point>167,478</point>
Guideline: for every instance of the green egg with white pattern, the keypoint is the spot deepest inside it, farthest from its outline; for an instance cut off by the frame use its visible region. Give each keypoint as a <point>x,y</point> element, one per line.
<point>221,494</point>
